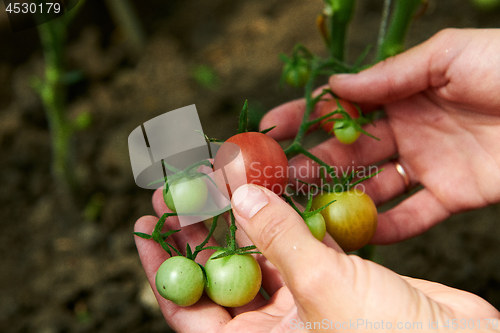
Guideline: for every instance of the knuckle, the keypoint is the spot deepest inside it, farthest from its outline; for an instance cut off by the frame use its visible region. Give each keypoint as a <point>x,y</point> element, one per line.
<point>310,283</point>
<point>445,33</point>
<point>274,228</point>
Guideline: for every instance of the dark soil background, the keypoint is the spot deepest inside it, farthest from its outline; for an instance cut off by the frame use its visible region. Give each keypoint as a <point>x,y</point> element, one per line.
<point>66,268</point>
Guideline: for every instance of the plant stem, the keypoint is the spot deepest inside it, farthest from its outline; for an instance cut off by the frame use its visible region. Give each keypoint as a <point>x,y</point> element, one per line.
<point>53,95</point>
<point>295,146</point>
<point>125,17</point>
<point>340,16</point>
<point>232,233</point>
<point>383,23</point>
<point>393,41</point>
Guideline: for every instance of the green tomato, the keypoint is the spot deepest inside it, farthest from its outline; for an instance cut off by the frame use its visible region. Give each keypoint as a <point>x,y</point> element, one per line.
<point>180,280</point>
<point>186,195</point>
<point>233,280</point>
<point>296,72</point>
<point>345,131</point>
<point>351,220</point>
<point>317,226</point>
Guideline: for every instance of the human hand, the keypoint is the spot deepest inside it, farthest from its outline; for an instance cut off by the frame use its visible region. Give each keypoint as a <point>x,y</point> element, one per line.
<point>206,316</point>
<point>309,281</point>
<point>443,122</point>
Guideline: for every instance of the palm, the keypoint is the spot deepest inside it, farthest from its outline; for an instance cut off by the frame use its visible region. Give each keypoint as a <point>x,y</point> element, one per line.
<point>451,152</point>
<point>279,311</point>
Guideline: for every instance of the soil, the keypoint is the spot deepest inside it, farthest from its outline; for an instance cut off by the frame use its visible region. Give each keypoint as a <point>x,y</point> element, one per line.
<point>70,265</point>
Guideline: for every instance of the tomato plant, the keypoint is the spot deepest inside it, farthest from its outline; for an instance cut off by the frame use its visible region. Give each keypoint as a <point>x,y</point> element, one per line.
<point>186,195</point>
<point>180,280</point>
<point>351,220</point>
<point>233,280</point>
<point>258,159</point>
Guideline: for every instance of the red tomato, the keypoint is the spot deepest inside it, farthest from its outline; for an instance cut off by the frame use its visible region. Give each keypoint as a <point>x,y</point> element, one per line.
<point>252,158</point>
<point>330,106</point>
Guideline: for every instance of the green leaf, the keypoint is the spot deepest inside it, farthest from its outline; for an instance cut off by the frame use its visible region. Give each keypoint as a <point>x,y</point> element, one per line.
<point>206,76</point>
<point>247,248</point>
<point>143,235</point>
<point>169,233</point>
<point>223,254</point>
<point>189,252</point>
<point>243,123</point>
<point>311,213</point>
<point>264,131</point>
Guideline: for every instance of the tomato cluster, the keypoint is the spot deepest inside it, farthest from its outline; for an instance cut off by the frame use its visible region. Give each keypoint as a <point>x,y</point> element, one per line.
<point>232,277</point>
<point>230,281</point>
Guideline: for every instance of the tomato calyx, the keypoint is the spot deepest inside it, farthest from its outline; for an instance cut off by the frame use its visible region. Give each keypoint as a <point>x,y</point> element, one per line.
<point>232,247</point>
<point>307,212</point>
<point>160,237</point>
<point>243,123</point>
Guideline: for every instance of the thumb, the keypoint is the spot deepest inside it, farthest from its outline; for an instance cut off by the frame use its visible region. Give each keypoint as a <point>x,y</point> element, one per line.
<point>401,76</point>
<point>276,230</point>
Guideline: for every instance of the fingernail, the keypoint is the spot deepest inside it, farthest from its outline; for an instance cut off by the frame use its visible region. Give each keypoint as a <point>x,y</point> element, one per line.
<point>248,200</point>
<point>340,77</point>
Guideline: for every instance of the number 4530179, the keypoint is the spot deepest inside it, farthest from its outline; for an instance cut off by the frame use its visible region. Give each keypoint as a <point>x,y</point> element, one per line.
<point>33,8</point>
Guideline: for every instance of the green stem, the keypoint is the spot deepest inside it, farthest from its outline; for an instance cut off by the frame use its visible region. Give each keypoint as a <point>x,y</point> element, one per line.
<point>393,41</point>
<point>200,247</point>
<point>53,95</point>
<point>295,146</point>
<point>124,15</point>
<point>383,23</point>
<point>341,14</point>
<point>328,168</point>
<point>232,233</point>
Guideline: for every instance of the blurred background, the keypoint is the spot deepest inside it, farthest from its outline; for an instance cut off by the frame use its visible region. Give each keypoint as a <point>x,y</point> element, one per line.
<point>68,259</point>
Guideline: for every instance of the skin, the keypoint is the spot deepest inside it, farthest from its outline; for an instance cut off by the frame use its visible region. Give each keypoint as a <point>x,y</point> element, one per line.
<point>444,122</point>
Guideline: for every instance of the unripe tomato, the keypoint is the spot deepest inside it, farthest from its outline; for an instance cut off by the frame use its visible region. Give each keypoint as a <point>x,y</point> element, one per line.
<point>351,220</point>
<point>186,195</point>
<point>296,73</point>
<point>252,158</point>
<point>345,131</point>
<point>233,280</point>
<point>180,280</point>
<point>316,225</point>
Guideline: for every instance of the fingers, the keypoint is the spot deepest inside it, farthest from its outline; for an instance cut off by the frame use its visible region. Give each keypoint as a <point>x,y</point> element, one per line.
<point>400,76</point>
<point>411,217</point>
<point>209,316</point>
<point>287,119</point>
<point>471,306</point>
<point>277,231</point>
<point>384,186</point>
